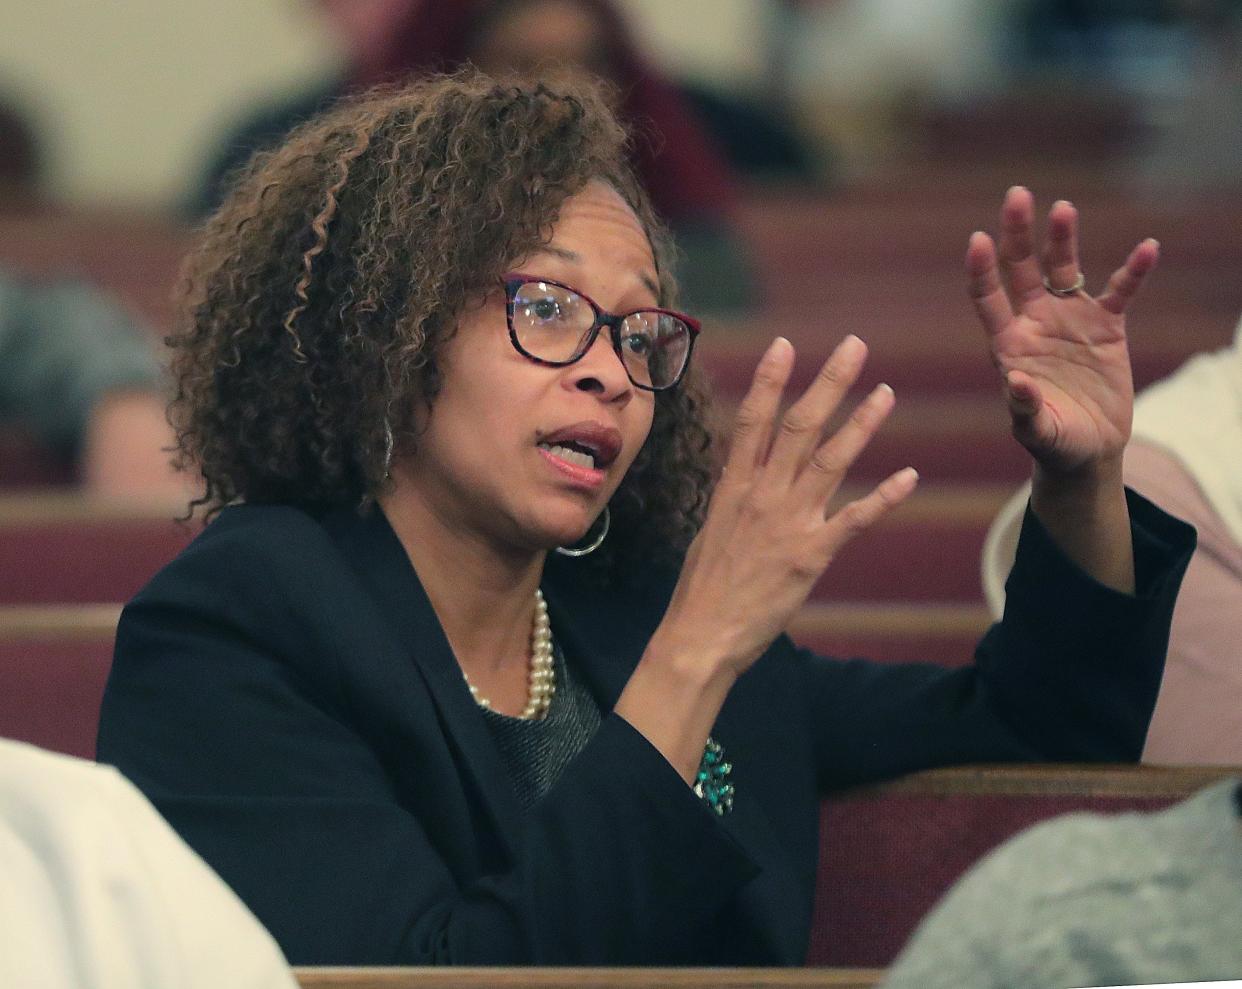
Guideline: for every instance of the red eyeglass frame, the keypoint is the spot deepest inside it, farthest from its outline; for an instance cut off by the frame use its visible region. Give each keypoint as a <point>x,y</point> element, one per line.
<point>514,280</point>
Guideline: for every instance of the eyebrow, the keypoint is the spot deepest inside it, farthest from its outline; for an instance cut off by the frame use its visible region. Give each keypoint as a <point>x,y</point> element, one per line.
<point>575,258</point>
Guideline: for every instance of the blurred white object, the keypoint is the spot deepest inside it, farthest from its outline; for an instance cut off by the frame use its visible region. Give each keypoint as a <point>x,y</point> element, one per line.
<point>97,892</point>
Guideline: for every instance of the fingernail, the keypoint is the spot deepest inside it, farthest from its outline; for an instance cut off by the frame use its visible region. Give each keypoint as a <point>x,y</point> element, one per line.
<point>883,388</point>
<point>776,347</point>
<point>909,473</point>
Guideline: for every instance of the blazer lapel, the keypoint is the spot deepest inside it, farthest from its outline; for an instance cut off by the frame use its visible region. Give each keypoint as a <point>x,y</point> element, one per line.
<point>602,632</point>
<point>382,564</point>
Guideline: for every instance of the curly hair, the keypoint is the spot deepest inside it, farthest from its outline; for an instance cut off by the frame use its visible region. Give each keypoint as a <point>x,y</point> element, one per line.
<point>320,294</point>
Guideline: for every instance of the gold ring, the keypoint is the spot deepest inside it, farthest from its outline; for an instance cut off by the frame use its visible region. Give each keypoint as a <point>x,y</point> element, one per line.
<point>1079,284</point>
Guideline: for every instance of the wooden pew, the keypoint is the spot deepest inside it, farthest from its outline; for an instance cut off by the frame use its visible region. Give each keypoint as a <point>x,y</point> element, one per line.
<point>67,548</point>
<point>892,632</point>
<point>134,255</point>
<point>887,852</point>
<point>63,548</point>
<point>586,978</point>
<point>54,659</point>
<point>54,663</point>
<point>871,260</point>
<point>944,355</point>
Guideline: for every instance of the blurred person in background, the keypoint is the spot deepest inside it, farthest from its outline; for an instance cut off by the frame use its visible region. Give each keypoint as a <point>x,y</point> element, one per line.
<point>1175,64</point>
<point>1093,900</point>
<point>688,177</point>
<point>1196,144</point>
<point>82,379</point>
<point>1185,454</point>
<point>77,372</point>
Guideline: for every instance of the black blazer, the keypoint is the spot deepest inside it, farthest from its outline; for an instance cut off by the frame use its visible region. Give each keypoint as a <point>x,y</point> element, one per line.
<point>283,693</point>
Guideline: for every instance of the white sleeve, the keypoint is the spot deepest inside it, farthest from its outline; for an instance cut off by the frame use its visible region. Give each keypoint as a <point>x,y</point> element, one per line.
<point>99,893</point>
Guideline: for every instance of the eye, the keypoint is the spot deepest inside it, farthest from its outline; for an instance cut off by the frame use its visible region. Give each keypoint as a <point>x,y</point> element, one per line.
<point>544,309</point>
<point>541,304</point>
<point>638,343</point>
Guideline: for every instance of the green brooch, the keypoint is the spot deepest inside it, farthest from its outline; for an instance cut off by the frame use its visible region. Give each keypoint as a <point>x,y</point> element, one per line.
<point>711,782</point>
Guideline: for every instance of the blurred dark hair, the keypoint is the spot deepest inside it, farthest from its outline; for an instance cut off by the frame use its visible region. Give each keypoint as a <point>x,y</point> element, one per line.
<point>22,159</point>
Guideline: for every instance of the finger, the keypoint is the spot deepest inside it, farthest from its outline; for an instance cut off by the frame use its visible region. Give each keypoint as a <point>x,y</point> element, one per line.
<point>1127,279</point>
<point>1033,424</point>
<point>1017,244</point>
<point>752,427</point>
<point>984,285</point>
<point>860,515</point>
<point>833,458</point>
<point>803,424</point>
<point>1061,246</point>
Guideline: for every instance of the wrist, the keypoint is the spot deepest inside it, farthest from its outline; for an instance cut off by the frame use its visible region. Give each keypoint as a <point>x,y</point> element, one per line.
<point>673,698</point>
<point>1083,484</point>
<point>1087,516</point>
<point>689,665</point>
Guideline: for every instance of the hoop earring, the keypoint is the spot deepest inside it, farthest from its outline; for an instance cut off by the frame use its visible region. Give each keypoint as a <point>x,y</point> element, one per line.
<point>595,543</point>
<point>388,445</point>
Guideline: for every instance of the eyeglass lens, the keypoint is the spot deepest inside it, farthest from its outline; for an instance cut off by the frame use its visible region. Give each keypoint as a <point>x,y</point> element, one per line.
<point>553,324</point>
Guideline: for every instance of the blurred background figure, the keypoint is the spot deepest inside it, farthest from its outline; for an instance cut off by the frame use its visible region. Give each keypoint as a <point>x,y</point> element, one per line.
<point>1178,65</point>
<point>21,156</point>
<point>1185,454</point>
<point>82,379</point>
<point>684,139</point>
<point>79,376</point>
<point>1093,900</point>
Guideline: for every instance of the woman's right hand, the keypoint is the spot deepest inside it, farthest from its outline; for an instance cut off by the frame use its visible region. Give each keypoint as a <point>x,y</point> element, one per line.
<point>768,536</point>
<point>766,540</point>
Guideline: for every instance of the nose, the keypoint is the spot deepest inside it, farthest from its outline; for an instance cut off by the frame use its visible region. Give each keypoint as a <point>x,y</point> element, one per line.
<point>600,372</point>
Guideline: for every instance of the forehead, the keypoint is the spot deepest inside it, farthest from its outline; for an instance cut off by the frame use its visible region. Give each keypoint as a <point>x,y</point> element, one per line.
<point>598,231</point>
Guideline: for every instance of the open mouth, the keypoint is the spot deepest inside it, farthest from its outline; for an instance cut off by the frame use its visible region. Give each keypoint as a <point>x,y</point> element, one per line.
<point>588,444</point>
<point>573,453</point>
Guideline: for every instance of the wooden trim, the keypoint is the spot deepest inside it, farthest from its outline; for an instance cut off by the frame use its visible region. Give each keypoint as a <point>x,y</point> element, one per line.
<point>957,502</point>
<point>962,503</point>
<point>79,622</point>
<point>587,978</point>
<point>88,621</point>
<point>42,506</point>
<point>952,416</point>
<point>930,620</point>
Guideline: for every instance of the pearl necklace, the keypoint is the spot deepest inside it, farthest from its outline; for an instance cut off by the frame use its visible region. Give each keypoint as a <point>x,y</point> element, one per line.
<point>542,669</point>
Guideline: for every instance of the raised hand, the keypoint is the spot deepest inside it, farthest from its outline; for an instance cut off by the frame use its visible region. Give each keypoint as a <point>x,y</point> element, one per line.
<point>1063,353</point>
<point>769,535</point>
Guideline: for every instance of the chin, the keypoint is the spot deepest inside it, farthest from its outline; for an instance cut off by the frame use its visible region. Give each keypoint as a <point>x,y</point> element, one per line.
<point>565,528</point>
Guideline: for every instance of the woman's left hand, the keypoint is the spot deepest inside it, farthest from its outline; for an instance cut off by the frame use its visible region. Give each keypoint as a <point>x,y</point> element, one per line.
<point>1064,357</point>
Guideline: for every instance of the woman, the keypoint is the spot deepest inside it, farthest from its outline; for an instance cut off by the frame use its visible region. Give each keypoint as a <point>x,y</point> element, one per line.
<point>407,307</point>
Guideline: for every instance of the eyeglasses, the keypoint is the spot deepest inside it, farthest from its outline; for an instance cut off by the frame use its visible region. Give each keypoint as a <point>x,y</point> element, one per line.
<point>555,325</point>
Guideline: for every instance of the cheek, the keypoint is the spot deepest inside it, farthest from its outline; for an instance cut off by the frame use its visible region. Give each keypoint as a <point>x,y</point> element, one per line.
<point>639,432</point>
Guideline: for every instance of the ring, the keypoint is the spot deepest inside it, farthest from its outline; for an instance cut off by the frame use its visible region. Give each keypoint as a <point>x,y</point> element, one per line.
<point>1079,284</point>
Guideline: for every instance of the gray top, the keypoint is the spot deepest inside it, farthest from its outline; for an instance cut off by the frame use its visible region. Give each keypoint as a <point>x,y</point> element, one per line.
<point>537,752</point>
<point>1089,900</point>
<point>63,345</point>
